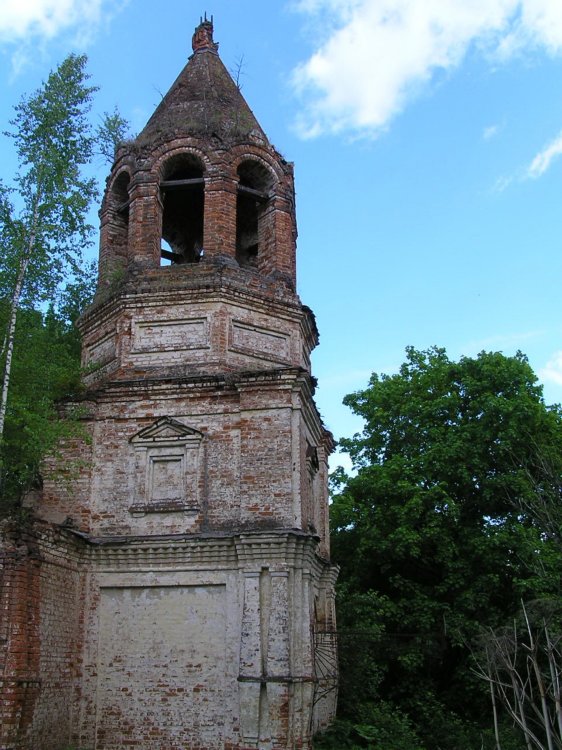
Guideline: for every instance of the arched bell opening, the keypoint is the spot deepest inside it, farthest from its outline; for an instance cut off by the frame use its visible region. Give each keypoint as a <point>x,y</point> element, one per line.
<point>254,188</point>
<point>183,200</point>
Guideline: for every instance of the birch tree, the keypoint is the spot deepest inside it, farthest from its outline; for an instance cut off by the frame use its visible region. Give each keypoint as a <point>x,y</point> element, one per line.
<point>43,226</point>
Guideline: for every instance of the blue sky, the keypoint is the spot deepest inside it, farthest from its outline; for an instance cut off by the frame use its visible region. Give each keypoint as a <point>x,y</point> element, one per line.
<point>427,141</point>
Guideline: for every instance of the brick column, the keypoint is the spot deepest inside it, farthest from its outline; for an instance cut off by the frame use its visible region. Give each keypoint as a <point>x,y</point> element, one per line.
<point>285,239</point>
<point>113,251</point>
<point>219,224</point>
<point>145,223</point>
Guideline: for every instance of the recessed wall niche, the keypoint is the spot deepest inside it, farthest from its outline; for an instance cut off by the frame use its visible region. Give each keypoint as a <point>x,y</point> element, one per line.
<point>168,464</point>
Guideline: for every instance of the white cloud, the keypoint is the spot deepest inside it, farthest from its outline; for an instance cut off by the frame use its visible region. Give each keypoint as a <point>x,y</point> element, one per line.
<point>552,371</point>
<point>26,23</point>
<point>544,158</point>
<point>45,18</point>
<point>490,132</point>
<point>502,183</point>
<point>541,22</point>
<point>538,166</point>
<point>377,54</point>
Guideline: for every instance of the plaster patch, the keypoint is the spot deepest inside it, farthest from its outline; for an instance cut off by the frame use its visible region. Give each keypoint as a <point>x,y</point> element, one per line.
<point>161,666</point>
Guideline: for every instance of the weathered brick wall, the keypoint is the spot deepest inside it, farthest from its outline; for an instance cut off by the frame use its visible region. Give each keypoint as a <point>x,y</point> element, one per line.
<point>114,228</point>
<point>250,471</point>
<point>19,643</point>
<point>60,638</point>
<point>201,643</point>
<point>162,660</point>
<point>152,677</point>
<point>40,636</point>
<point>67,479</point>
<point>177,591</point>
<point>207,644</point>
<point>221,179</point>
<point>192,318</point>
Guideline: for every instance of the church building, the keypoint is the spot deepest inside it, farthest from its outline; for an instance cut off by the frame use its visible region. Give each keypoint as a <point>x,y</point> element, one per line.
<point>175,590</point>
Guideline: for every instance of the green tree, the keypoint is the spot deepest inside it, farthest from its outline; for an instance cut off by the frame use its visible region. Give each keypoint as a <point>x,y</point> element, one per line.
<point>432,535</point>
<point>43,225</point>
<point>45,368</point>
<point>110,134</point>
<point>44,282</point>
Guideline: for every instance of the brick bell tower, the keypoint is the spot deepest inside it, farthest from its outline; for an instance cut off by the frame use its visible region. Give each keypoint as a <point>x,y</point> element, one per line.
<point>195,533</point>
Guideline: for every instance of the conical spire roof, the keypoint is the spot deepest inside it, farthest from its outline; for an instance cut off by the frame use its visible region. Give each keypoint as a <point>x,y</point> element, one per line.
<point>203,101</point>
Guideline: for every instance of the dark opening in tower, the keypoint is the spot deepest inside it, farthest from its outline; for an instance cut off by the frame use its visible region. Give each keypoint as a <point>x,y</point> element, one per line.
<point>183,198</point>
<point>254,186</point>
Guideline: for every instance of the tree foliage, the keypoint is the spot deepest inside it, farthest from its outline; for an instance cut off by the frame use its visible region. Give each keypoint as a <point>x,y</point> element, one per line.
<point>435,534</point>
<point>44,209</point>
<point>110,134</point>
<point>43,214</point>
<point>44,282</point>
<point>46,368</point>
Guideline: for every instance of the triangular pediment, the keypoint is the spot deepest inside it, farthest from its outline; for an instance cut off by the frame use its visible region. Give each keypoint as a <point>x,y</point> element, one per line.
<point>166,429</point>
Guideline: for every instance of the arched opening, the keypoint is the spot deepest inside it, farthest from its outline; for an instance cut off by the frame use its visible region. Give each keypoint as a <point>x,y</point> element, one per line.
<point>254,186</point>
<point>182,193</point>
<point>119,205</point>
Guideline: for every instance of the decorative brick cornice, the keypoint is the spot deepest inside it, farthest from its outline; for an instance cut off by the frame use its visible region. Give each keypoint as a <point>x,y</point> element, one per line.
<point>288,548</point>
<point>193,283</point>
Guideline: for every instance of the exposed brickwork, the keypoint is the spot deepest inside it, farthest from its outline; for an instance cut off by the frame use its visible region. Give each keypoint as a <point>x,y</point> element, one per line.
<point>174,589</point>
<point>19,639</point>
<point>277,258</point>
<point>40,638</point>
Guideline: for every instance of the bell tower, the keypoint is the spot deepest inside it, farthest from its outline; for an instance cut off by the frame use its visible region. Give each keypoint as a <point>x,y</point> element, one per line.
<point>198,512</point>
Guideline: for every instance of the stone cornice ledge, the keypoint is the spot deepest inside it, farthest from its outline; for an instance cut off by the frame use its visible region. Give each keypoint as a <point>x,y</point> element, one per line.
<point>283,548</point>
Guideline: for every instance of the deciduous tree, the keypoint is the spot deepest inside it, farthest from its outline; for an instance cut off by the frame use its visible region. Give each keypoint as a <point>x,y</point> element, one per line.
<point>43,224</point>
<point>432,534</point>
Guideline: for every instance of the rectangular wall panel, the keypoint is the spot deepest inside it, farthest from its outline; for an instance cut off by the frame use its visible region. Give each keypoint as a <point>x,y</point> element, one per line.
<point>170,335</point>
<point>161,667</point>
<point>103,350</point>
<point>261,342</point>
